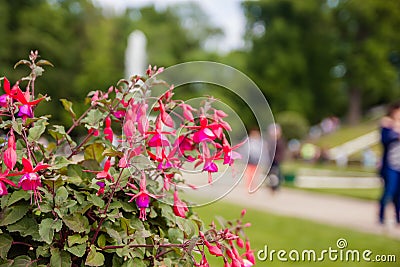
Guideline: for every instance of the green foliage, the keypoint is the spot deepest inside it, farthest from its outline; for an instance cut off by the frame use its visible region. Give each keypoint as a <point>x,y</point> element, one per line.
<point>57,210</point>
<point>293,124</point>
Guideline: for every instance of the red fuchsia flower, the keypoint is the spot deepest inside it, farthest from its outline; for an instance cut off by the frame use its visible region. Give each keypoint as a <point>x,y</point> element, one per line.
<point>165,117</point>
<point>184,144</point>
<point>229,154</point>
<point>180,208</point>
<point>3,181</point>
<point>104,174</point>
<point>30,180</point>
<point>205,132</point>
<point>26,110</point>
<point>124,162</point>
<point>249,254</point>
<point>142,198</point>
<point>214,250</point>
<point>100,191</point>
<point>10,155</point>
<point>93,132</point>
<point>108,132</point>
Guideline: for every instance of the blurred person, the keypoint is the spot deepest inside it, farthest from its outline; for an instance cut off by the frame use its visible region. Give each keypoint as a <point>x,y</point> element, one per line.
<point>275,137</point>
<point>254,147</point>
<point>390,169</point>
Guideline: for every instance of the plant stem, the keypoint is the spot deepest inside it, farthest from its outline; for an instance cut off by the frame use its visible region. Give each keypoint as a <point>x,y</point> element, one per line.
<point>106,207</point>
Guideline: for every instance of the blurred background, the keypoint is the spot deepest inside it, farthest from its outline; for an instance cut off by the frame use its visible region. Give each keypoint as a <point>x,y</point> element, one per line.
<point>328,68</point>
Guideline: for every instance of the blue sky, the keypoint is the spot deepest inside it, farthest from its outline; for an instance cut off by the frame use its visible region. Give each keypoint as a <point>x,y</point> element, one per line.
<point>225,14</point>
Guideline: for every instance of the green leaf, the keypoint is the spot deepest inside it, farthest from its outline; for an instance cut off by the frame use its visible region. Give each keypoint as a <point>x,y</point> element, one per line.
<point>76,239</point>
<point>43,62</point>
<point>25,227</point>
<point>17,126</point>
<point>94,151</point>
<point>36,131</point>
<point>60,162</point>
<point>43,251</point>
<point>22,62</point>
<point>12,214</point>
<point>96,200</point>
<point>77,223</point>
<point>22,261</point>
<point>78,250</point>
<point>46,230</point>
<point>101,240</point>
<point>60,258</point>
<point>187,226</point>
<point>114,235</point>
<point>5,245</point>
<point>175,235</point>
<point>94,258</point>
<point>61,195</point>
<point>17,196</point>
<point>68,107</point>
<point>93,118</point>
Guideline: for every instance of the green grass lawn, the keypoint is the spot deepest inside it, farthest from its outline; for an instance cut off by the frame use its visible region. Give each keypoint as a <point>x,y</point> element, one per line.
<point>279,232</point>
<point>346,133</point>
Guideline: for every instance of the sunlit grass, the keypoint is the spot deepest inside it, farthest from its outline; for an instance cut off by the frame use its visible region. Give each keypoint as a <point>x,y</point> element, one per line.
<point>279,232</point>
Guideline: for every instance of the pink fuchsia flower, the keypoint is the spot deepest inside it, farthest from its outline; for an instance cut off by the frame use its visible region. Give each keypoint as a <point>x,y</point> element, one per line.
<point>180,208</point>
<point>3,182</point>
<point>10,155</point>
<point>142,197</point>
<point>108,132</point>
<point>165,117</point>
<point>4,100</point>
<point>249,254</point>
<point>104,174</point>
<point>187,112</point>
<point>30,180</point>
<point>100,191</point>
<point>205,132</point>
<point>26,110</point>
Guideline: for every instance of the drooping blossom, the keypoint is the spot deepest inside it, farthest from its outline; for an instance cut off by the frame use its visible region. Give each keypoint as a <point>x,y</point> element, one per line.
<point>10,155</point>
<point>142,197</point>
<point>30,180</point>
<point>108,132</point>
<point>100,191</point>
<point>180,208</point>
<point>3,182</point>
<point>104,174</point>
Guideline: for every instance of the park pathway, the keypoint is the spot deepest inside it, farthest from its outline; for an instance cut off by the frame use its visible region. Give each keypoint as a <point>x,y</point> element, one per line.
<point>352,213</point>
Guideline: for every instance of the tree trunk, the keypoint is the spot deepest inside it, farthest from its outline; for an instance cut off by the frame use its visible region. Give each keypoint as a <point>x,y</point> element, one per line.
<point>354,106</point>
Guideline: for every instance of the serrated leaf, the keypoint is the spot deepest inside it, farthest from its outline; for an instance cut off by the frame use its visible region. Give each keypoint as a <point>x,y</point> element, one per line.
<point>77,223</point>
<point>175,235</point>
<point>17,126</point>
<point>43,251</point>
<point>94,151</point>
<point>60,258</point>
<point>187,226</point>
<point>93,118</point>
<point>68,107</point>
<point>61,196</point>
<point>5,245</point>
<point>46,230</point>
<point>94,258</point>
<point>12,214</point>
<point>17,196</point>
<point>60,162</point>
<point>114,235</point>
<point>76,239</point>
<point>78,250</point>
<point>25,227</point>
<point>36,131</point>
<point>96,200</point>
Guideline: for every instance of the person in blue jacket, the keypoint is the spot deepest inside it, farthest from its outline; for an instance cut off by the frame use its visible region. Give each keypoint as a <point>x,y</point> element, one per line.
<point>390,169</point>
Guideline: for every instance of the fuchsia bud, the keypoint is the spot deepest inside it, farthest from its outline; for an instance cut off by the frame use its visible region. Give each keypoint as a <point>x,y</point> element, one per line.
<point>180,208</point>
<point>10,155</point>
<point>108,132</point>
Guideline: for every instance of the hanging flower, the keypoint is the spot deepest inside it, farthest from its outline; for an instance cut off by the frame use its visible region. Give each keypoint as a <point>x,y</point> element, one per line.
<point>180,208</point>
<point>3,182</point>
<point>10,155</point>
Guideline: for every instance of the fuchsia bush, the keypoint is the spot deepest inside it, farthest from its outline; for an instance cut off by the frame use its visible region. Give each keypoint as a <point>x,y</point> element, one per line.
<point>104,203</point>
